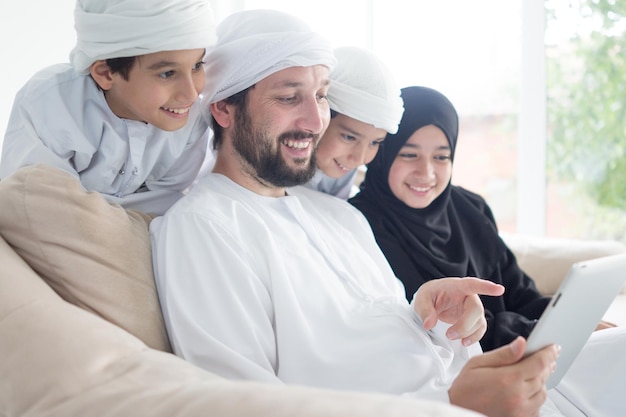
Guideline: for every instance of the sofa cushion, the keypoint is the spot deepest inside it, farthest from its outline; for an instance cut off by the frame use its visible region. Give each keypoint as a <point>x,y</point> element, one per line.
<point>547,259</point>
<point>57,360</point>
<point>94,254</point>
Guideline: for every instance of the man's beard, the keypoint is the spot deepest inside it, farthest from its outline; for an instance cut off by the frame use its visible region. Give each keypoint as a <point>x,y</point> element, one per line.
<point>265,163</point>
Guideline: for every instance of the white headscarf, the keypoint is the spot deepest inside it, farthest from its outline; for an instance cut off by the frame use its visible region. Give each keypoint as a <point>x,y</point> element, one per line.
<point>254,44</point>
<point>363,88</point>
<point>125,28</point>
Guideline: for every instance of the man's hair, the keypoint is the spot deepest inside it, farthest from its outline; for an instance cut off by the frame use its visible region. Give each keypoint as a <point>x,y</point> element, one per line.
<point>239,100</point>
<point>121,65</point>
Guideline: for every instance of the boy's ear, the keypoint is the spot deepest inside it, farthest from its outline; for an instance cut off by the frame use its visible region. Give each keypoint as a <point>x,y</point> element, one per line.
<point>222,113</point>
<point>102,74</point>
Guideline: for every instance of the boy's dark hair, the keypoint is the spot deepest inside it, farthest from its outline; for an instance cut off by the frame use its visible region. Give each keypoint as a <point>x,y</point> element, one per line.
<point>121,65</point>
<point>239,100</point>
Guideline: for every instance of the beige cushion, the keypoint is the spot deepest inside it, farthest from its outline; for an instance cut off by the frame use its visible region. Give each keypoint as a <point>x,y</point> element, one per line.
<point>547,260</point>
<point>57,360</point>
<point>93,254</point>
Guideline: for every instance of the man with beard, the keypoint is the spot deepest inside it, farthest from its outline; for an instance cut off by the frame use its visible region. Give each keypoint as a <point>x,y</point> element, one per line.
<point>262,280</point>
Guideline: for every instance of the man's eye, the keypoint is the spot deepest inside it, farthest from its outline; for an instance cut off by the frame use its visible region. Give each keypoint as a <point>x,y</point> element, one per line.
<point>288,99</point>
<point>166,74</point>
<point>348,138</point>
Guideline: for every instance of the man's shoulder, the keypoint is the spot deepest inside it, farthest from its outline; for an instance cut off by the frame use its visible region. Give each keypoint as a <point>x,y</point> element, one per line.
<point>212,194</point>
<point>315,196</point>
<point>216,194</point>
<point>325,204</point>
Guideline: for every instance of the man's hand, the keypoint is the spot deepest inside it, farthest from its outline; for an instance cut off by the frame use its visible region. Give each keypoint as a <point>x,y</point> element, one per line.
<point>455,301</point>
<point>501,383</point>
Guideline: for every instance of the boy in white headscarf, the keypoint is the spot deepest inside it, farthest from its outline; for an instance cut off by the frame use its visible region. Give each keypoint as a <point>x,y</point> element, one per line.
<point>94,148</point>
<point>121,116</point>
<point>365,105</point>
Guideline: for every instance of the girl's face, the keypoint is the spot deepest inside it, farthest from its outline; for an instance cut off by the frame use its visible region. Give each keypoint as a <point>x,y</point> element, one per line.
<point>422,169</point>
<point>347,144</point>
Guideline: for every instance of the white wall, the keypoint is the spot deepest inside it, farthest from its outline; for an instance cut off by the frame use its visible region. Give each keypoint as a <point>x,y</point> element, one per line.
<point>34,34</point>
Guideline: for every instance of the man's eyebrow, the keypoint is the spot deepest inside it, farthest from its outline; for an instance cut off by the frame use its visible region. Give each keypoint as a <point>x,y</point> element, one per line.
<point>287,84</point>
<point>295,84</point>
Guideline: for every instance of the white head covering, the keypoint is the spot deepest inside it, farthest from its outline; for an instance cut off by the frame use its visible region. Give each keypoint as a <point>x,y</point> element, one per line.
<point>363,88</point>
<point>125,28</point>
<point>254,44</point>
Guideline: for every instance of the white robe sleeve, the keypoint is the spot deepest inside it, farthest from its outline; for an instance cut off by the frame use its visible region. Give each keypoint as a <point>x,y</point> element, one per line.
<point>224,325</point>
<point>23,146</point>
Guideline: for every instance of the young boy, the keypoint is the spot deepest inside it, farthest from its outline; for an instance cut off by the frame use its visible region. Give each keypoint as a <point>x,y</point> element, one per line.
<point>120,124</point>
<point>365,105</point>
<point>121,117</point>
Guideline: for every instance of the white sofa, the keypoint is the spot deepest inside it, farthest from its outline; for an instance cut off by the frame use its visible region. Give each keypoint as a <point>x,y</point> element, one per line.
<point>83,335</point>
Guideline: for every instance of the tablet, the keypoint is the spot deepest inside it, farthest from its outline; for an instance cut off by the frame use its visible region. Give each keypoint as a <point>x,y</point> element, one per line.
<point>576,309</point>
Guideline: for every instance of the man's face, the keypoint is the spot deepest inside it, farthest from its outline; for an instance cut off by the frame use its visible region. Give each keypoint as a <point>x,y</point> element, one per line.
<point>161,88</point>
<point>277,132</point>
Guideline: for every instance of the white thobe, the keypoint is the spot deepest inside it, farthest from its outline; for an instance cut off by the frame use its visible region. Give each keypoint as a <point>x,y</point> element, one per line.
<point>61,118</point>
<point>295,289</point>
<point>261,288</point>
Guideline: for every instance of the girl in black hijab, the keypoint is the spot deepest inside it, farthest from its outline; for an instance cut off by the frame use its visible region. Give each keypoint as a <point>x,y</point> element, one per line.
<point>429,228</point>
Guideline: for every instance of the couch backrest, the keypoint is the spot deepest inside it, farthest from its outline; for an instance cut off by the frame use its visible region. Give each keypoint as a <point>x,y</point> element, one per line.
<point>94,254</point>
<point>547,259</point>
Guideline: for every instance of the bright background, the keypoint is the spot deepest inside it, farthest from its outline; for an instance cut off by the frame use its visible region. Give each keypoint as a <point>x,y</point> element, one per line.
<point>452,45</point>
<point>469,50</point>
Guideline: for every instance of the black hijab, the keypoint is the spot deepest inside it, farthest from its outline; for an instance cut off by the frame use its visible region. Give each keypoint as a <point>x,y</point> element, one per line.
<point>439,240</point>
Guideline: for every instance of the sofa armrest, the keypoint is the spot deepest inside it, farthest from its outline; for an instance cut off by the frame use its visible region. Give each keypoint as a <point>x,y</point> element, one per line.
<point>547,259</point>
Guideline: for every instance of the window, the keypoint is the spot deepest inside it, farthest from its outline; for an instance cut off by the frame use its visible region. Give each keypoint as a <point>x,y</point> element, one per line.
<point>585,44</point>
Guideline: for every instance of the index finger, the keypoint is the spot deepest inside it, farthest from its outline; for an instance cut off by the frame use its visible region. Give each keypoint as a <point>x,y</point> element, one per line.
<point>482,287</point>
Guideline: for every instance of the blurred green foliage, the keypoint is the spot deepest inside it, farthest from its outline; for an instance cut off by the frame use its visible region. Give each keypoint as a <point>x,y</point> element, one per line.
<point>587,101</point>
